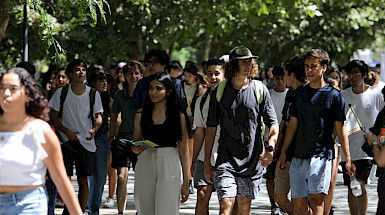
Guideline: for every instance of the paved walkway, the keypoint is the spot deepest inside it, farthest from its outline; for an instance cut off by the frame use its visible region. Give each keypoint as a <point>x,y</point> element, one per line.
<point>259,206</point>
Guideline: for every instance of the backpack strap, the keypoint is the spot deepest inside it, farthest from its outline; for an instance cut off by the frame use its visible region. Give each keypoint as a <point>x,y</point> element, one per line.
<point>63,96</point>
<point>220,89</point>
<point>203,100</point>
<point>259,96</point>
<point>92,102</point>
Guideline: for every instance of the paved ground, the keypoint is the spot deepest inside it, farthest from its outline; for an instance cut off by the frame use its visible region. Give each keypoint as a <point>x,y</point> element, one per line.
<point>259,206</point>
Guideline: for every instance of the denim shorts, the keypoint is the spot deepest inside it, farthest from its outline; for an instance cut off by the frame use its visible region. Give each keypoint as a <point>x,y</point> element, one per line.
<point>26,202</point>
<point>310,176</point>
<point>228,185</point>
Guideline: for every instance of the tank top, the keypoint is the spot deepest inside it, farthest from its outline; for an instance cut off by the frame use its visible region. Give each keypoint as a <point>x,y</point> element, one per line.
<point>22,155</point>
<point>162,134</point>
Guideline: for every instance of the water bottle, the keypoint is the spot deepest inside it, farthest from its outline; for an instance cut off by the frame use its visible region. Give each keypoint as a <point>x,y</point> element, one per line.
<point>355,186</point>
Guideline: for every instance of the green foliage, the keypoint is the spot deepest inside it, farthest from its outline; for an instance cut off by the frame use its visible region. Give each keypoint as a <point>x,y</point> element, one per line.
<point>107,32</point>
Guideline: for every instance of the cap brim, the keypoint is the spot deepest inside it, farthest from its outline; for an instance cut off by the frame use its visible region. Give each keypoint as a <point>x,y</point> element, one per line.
<point>246,57</point>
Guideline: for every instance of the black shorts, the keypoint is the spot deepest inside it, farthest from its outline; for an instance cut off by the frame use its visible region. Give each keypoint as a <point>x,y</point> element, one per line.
<point>122,155</point>
<point>363,168</point>
<point>270,171</point>
<point>84,159</point>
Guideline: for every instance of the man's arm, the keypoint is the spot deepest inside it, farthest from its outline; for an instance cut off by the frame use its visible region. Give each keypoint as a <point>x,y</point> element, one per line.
<point>267,157</point>
<point>199,136</point>
<point>113,123</point>
<point>344,141</point>
<point>209,142</point>
<point>59,125</point>
<point>98,123</point>
<point>291,130</point>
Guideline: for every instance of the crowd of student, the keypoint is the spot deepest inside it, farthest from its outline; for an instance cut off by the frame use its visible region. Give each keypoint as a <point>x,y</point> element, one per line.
<point>221,126</point>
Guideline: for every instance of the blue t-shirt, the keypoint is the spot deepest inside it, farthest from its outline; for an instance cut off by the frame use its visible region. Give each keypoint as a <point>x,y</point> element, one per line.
<point>317,110</point>
<point>240,142</point>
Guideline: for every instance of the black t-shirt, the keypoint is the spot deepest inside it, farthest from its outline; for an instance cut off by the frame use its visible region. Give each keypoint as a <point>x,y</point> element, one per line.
<point>317,110</point>
<point>240,141</point>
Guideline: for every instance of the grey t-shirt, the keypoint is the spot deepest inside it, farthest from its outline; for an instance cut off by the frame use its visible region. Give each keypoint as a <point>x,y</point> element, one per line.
<point>123,104</point>
<point>240,142</point>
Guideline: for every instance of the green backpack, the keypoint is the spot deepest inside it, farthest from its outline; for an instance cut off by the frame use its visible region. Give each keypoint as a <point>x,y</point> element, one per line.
<point>258,94</point>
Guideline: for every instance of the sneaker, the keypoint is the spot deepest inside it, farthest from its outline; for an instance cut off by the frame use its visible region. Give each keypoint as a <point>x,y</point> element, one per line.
<point>275,211</point>
<point>109,203</point>
<point>283,212</point>
<point>87,213</point>
<point>59,203</point>
<point>191,187</point>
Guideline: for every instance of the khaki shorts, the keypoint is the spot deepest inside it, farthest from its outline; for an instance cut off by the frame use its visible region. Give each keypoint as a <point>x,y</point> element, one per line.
<point>282,180</point>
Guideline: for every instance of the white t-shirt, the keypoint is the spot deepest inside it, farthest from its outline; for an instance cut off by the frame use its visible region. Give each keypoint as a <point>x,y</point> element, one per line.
<point>76,110</point>
<point>379,86</point>
<point>200,121</point>
<point>367,105</point>
<point>278,99</point>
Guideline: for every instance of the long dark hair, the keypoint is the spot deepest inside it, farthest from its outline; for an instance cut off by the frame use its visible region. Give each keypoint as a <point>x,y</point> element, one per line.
<point>38,104</point>
<point>173,106</point>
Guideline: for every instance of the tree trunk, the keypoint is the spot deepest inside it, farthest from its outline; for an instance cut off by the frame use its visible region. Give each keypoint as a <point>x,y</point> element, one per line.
<point>206,52</point>
<point>4,17</point>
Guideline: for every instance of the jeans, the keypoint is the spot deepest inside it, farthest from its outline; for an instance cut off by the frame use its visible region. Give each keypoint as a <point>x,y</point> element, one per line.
<point>51,191</point>
<point>26,202</point>
<point>97,179</point>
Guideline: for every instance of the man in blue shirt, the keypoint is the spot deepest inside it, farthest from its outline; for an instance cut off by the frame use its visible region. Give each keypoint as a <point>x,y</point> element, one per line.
<point>318,108</point>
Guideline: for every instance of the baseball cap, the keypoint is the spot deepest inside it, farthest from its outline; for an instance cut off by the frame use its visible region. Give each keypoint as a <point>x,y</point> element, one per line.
<point>241,52</point>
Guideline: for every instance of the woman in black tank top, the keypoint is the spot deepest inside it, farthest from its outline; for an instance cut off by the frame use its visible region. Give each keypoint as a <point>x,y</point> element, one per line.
<point>158,170</point>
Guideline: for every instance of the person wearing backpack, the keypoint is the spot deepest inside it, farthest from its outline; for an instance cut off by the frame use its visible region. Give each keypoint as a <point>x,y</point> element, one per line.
<point>238,106</point>
<point>215,75</point>
<point>77,121</point>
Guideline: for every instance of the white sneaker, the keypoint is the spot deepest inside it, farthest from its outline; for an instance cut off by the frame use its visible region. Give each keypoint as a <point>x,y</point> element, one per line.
<point>109,203</point>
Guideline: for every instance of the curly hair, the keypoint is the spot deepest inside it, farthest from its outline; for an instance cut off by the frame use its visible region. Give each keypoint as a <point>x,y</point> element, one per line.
<point>38,104</point>
<point>131,65</point>
<point>231,68</point>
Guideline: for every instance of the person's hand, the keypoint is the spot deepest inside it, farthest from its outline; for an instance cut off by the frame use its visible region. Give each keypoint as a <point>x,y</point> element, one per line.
<point>92,134</point>
<point>266,158</point>
<point>72,136</point>
<point>370,138</point>
<point>138,149</point>
<point>192,169</point>
<point>184,192</point>
<point>350,168</point>
<point>209,173</point>
<point>282,162</point>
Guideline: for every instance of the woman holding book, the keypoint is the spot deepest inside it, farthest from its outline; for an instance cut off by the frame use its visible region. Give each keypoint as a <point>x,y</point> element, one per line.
<point>162,121</point>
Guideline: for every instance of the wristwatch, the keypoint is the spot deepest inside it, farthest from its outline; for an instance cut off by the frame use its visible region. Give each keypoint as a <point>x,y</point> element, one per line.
<point>270,148</point>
